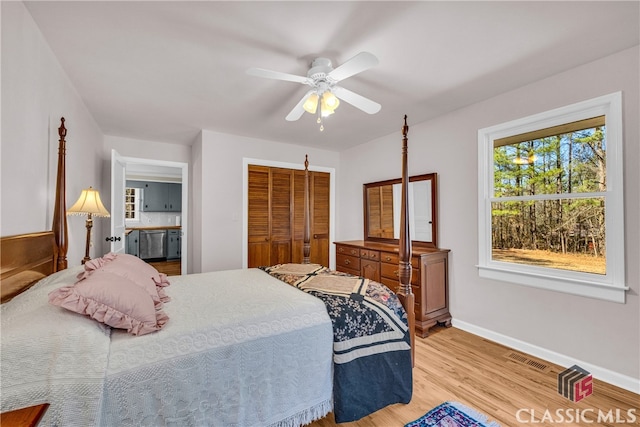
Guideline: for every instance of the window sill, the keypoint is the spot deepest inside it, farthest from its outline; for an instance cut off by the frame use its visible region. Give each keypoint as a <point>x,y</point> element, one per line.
<point>582,287</point>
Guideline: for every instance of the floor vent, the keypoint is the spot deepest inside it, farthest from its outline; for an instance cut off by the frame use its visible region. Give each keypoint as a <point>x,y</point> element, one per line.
<point>524,360</point>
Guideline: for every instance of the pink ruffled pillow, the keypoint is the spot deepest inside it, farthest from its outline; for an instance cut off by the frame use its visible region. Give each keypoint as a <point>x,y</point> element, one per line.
<point>113,300</point>
<point>132,268</point>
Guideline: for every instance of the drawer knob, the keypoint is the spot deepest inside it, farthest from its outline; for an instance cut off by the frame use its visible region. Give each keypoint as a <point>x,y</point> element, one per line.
<point>340,249</point>
<point>388,258</point>
<point>347,262</point>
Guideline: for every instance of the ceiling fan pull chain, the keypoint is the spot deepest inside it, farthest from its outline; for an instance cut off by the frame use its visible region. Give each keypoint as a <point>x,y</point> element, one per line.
<point>319,121</point>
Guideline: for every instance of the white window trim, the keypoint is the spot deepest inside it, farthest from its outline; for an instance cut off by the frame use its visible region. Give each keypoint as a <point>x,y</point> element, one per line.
<point>610,286</point>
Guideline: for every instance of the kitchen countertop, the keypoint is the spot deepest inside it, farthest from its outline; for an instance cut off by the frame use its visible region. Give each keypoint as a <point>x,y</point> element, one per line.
<point>158,227</point>
<point>168,227</point>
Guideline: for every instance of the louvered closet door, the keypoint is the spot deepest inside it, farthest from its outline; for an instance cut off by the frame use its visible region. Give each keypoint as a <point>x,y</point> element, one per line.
<point>320,218</point>
<point>283,212</point>
<point>281,215</point>
<point>258,206</point>
<point>270,216</point>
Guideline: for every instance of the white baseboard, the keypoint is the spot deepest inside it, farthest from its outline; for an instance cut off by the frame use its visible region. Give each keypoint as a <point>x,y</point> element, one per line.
<point>623,381</point>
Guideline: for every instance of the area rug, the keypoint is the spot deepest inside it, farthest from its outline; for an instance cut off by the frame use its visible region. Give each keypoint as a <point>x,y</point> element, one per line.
<point>452,414</point>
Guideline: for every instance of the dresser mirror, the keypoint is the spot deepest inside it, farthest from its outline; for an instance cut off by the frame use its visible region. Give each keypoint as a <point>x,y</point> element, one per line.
<point>382,201</point>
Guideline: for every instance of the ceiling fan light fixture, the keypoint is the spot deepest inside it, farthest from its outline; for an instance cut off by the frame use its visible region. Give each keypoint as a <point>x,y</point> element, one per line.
<point>331,102</point>
<point>311,104</point>
<point>324,79</point>
<point>328,104</point>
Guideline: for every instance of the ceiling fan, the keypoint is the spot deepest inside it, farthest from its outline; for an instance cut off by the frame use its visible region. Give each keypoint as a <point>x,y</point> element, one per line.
<point>325,92</point>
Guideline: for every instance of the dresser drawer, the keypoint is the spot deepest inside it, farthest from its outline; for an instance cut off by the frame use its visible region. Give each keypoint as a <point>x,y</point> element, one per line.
<point>348,271</point>
<point>394,284</point>
<point>347,250</point>
<point>390,283</point>
<point>348,261</point>
<point>393,258</point>
<point>389,258</point>
<point>390,271</point>
<point>369,254</point>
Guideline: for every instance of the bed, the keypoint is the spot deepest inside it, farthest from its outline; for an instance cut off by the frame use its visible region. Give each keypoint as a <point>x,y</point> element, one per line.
<point>269,355</point>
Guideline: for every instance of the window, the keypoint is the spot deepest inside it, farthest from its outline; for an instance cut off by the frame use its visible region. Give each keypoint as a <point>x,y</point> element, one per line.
<point>132,204</point>
<point>550,202</point>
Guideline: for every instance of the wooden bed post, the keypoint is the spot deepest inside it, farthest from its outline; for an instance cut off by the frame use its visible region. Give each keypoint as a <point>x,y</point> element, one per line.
<point>404,271</point>
<point>306,251</point>
<point>59,226</point>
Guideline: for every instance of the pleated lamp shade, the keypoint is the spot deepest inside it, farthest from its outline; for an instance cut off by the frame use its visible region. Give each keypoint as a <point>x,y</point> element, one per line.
<point>89,203</point>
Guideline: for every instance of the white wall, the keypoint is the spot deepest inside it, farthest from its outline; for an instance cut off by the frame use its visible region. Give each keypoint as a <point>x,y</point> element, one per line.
<point>603,335</point>
<point>35,94</point>
<point>129,147</point>
<point>219,180</point>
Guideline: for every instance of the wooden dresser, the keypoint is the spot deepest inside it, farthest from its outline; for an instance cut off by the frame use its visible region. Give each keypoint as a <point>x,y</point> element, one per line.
<point>429,278</point>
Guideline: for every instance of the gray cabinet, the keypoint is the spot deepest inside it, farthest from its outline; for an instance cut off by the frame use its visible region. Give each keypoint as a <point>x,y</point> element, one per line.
<point>174,203</point>
<point>159,196</point>
<point>154,197</point>
<point>133,243</point>
<point>173,244</point>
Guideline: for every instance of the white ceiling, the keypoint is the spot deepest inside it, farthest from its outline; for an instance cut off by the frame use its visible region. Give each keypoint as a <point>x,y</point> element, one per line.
<point>161,71</point>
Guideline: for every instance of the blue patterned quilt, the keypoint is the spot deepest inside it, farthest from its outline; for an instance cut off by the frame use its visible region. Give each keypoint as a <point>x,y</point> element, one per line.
<point>371,342</point>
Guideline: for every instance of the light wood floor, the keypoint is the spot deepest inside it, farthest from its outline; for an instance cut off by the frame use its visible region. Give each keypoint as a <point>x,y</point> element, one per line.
<point>170,268</point>
<point>453,365</point>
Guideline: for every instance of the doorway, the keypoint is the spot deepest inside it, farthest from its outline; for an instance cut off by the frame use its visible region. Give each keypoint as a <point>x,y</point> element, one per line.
<point>139,169</point>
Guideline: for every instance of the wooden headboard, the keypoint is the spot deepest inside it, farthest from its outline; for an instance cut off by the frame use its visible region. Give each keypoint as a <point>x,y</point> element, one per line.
<point>27,258</point>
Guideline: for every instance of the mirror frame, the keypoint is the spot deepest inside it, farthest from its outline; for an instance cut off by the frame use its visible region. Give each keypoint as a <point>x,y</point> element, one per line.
<point>434,210</point>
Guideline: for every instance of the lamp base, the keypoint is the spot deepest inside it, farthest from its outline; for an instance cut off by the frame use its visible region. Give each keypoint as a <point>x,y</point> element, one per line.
<point>88,244</point>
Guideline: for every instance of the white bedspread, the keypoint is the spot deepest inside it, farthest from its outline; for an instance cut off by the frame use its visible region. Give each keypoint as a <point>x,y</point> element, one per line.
<point>240,349</point>
<point>52,355</point>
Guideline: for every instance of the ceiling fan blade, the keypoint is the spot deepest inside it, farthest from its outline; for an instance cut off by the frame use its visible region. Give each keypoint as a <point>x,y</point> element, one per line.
<point>359,63</point>
<point>298,110</point>
<point>277,75</point>
<point>358,101</point>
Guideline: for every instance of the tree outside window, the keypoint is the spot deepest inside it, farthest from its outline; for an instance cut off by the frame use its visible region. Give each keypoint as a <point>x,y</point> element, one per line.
<point>548,208</point>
